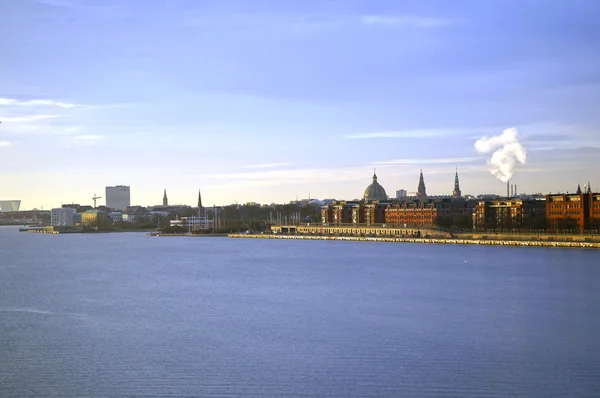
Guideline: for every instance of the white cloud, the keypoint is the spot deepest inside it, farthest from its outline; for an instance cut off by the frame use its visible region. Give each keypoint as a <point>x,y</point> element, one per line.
<point>404,20</point>
<point>402,134</point>
<point>411,162</point>
<point>26,119</point>
<point>267,165</point>
<point>11,101</point>
<point>4,144</point>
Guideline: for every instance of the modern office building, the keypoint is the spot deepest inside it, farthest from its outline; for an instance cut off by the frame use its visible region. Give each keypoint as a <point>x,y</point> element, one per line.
<point>401,194</point>
<point>62,216</point>
<point>9,205</point>
<point>118,197</point>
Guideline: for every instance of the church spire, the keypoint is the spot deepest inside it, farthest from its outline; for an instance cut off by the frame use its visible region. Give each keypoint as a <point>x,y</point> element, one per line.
<point>421,192</point>
<point>199,200</point>
<point>456,193</point>
<point>589,189</point>
<point>578,190</point>
<point>165,200</point>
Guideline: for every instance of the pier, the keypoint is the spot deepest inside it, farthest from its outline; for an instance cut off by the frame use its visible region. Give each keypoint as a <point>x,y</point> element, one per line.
<point>526,243</point>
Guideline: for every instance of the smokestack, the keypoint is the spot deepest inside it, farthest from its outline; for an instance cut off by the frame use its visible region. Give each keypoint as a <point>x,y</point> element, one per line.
<point>508,189</point>
<point>516,192</point>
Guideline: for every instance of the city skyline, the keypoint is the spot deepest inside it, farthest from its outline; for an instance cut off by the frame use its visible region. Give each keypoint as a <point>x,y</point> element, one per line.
<point>269,102</point>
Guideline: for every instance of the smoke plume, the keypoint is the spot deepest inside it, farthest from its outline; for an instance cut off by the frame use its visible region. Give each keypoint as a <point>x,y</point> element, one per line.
<point>507,152</point>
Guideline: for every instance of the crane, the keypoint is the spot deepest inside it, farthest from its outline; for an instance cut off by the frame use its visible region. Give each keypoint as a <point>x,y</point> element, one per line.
<point>94,198</point>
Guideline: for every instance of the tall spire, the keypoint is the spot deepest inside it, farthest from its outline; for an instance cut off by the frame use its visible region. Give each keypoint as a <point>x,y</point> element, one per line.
<point>421,192</point>
<point>589,190</point>
<point>578,190</point>
<point>165,200</point>
<point>199,200</point>
<point>374,176</point>
<point>456,193</point>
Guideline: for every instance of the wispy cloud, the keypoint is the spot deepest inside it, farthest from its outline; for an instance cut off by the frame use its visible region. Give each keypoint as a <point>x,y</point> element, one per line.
<point>405,20</point>
<point>401,134</point>
<point>26,119</point>
<point>89,137</point>
<point>4,144</point>
<point>267,165</point>
<point>36,102</point>
<point>412,162</point>
<point>306,23</point>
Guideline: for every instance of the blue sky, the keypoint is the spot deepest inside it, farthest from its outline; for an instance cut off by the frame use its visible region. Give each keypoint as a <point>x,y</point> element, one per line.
<point>268,100</point>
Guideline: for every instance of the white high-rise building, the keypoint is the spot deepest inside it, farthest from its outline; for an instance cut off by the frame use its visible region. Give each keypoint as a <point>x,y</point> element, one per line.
<point>118,197</point>
<point>62,216</point>
<point>401,193</point>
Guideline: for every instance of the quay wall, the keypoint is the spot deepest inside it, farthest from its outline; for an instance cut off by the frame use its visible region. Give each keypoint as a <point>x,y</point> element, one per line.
<point>590,245</point>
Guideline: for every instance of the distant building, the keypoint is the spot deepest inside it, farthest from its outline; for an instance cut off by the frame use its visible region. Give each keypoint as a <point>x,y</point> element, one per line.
<point>421,191</point>
<point>374,191</point>
<point>9,205</point>
<point>118,197</point>
<point>165,199</point>
<point>62,217</point>
<point>115,217</point>
<point>573,211</point>
<point>192,223</point>
<point>509,214</point>
<point>401,194</point>
<point>456,192</point>
<point>93,218</point>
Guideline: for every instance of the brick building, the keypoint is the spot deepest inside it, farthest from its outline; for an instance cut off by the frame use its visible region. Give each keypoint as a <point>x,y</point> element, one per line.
<point>509,214</point>
<point>579,211</point>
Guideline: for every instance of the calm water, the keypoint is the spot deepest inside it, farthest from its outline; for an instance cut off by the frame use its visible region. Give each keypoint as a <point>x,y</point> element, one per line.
<point>129,315</point>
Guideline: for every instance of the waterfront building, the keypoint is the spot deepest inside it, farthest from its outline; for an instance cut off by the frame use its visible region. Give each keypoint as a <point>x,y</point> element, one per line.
<point>509,214</point>
<point>118,197</point>
<point>93,218</point>
<point>77,218</point>
<point>401,194</point>
<point>374,191</point>
<point>411,213</point>
<point>579,211</point>
<point>62,217</point>
<point>194,223</point>
<point>421,191</point>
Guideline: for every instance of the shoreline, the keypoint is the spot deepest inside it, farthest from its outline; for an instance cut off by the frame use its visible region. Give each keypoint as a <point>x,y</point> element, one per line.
<point>523,243</point>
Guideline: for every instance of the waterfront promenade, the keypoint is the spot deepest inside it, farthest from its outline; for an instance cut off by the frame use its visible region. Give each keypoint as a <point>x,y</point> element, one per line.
<point>527,243</point>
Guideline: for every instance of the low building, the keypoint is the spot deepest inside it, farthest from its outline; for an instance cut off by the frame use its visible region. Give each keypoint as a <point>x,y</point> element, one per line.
<point>93,218</point>
<point>115,217</point>
<point>192,223</point>
<point>579,211</point>
<point>509,214</point>
<point>62,217</point>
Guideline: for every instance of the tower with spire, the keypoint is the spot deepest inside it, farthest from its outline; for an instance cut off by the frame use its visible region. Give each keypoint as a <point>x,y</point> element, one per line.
<point>578,190</point>
<point>456,192</point>
<point>421,192</point>
<point>165,200</point>
<point>199,204</point>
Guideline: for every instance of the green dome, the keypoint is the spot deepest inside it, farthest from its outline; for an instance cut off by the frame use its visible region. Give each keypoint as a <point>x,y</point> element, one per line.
<point>375,191</point>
